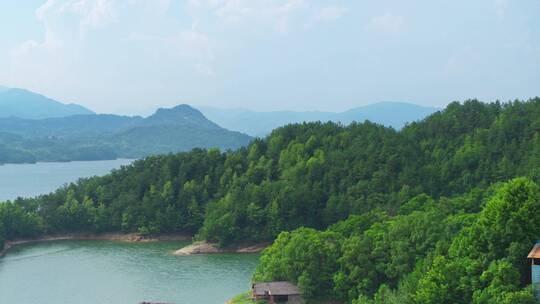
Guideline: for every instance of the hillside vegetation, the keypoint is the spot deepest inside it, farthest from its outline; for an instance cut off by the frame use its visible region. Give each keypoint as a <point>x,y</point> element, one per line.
<point>428,214</point>
<point>99,137</point>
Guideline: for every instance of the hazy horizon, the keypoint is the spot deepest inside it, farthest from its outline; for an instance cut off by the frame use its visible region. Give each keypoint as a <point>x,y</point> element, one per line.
<point>131,57</point>
<point>153,108</point>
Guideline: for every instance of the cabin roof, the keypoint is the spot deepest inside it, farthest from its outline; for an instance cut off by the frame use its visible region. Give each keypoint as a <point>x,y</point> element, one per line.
<point>275,289</point>
<point>535,252</point>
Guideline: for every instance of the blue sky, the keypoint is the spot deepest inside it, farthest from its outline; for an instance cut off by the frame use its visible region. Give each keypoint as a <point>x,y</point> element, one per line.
<point>131,56</point>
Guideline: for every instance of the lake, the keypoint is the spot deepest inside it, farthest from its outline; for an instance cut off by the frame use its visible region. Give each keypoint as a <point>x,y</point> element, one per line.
<point>105,272</point>
<point>27,180</point>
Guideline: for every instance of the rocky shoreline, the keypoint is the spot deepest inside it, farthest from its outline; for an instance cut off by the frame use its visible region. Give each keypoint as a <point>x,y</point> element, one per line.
<point>118,237</point>
<point>192,249</point>
<point>209,248</point>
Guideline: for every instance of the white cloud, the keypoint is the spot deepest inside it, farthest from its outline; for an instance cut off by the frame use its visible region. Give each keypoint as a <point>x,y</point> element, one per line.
<point>149,6</point>
<point>191,45</point>
<point>77,32</point>
<point>282,12</point>
<point>194,44</point>
<point>387,23</point>
<point>275,12</point>
<point>50,42</point>
<point>42,11</point>
<point>92,13</point>
<point>329,13</point>
<point>500,8</point>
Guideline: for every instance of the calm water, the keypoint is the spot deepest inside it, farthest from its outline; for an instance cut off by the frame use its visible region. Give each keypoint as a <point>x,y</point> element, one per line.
<point>102,272</point>
<point>27,180</point>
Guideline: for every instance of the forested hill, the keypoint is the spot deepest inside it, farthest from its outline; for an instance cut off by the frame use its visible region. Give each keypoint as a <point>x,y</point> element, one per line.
<point>310,174</point>
<point>97,137</point>
<point>418,199</point>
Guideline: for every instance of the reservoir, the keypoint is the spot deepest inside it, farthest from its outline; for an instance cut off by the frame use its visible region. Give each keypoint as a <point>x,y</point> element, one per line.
<point>28,180</point>
<point>106,272</point>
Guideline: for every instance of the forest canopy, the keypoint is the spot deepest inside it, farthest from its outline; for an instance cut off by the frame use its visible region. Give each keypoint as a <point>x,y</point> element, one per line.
<point>381,216</point>
<point>445,252</point>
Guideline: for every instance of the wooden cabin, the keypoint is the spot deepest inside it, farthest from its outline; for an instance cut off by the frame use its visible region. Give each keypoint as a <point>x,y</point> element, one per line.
<point>276,292</point>
<point>534,256</point>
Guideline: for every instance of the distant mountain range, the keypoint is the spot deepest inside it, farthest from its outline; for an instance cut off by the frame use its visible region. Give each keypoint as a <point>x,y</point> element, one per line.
<point>89,136</point>
<point>25,104</point>
<point>36,128</point>
<point>393,114</point>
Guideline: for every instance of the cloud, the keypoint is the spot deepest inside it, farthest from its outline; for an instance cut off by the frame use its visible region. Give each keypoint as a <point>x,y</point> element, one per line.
<point>81,31</point>
<point>274,12</point>
<point>191,45</point>
<point>329,13</point>
<point>281,13</point>
<point>194,44</point>
<point>42,11</point>
<point>56,17</point>
<point>92,13</point>
<point>50,42</point>
<point>500,8</point>
<point>158,7</point>
<point>387,23</point>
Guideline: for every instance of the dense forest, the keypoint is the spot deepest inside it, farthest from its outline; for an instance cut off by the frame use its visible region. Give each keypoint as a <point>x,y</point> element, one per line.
<point>442,211</point>
<point>467,249</point>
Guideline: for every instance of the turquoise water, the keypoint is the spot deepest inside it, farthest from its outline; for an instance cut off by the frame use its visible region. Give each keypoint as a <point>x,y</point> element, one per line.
<point>103,272</point>
<point>27,180</point>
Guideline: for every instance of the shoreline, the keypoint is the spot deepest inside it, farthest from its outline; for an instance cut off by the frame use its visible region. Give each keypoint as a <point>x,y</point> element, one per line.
<point>194,248</point>
<point>68,161</point>
<point>117,237</point>
<point>210,248</point>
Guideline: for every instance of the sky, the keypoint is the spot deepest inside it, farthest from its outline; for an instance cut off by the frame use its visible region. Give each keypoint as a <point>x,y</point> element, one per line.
<point>132,56</point>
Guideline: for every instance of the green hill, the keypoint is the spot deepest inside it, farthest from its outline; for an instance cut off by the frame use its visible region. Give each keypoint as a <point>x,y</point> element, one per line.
<point>442,211</point>
<point>99,137</point>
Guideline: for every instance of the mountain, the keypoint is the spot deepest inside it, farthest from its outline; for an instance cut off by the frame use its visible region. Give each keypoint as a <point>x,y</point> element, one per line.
<point>92,137</point>
<point>444,210</point>
<point>71,126</point>
<point>25,104</point>
<point>181,128</point>
<point>392,114</point>
<point>180,115</point>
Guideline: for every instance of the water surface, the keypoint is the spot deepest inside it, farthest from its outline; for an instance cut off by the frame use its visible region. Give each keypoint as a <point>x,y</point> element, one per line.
<point>104,272</point>
<point>28,180</point>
